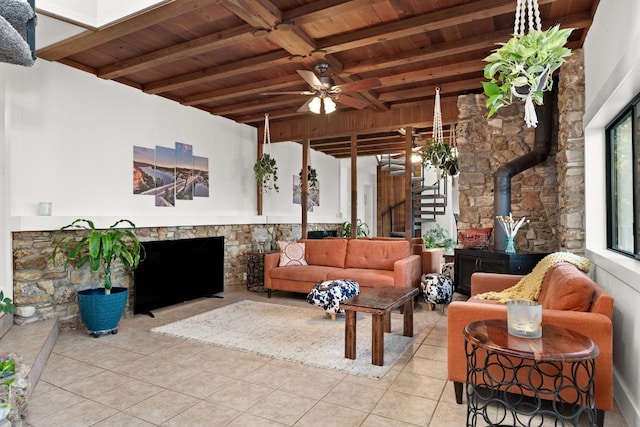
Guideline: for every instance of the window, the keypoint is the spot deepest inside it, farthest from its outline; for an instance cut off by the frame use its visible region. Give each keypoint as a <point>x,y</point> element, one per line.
<point>623,172</point>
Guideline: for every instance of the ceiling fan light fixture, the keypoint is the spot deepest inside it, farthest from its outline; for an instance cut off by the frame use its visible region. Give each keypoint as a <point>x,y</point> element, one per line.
<point>314,105</point>
<point>329,105</point>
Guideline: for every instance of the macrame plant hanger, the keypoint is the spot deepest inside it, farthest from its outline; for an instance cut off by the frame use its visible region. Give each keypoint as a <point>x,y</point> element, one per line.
<point>438,134</point>
<point>266,138</point>
<point>528,9</point>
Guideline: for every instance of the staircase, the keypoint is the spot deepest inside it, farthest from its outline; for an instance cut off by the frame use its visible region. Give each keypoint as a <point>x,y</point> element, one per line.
<point>429,199</point>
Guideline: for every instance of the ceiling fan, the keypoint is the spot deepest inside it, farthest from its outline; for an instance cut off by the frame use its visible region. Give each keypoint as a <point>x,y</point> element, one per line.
<point>325,93</point>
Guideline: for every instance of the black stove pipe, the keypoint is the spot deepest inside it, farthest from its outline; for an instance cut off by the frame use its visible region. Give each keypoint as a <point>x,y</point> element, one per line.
<point>502,178</point>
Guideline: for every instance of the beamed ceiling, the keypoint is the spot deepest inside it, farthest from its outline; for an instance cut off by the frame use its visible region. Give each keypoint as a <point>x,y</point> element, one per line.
<point>220,56</point>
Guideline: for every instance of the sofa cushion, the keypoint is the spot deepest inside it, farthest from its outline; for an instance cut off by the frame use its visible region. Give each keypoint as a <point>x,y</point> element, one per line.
<point>328,252</point>
<point>291,253</point>
<point>375,254</point>
<point>303,273</point>
<point>366,277</point>
<point>566,288</point>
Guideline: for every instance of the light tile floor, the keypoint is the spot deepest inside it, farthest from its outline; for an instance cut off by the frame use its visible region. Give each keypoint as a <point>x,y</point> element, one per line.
<point>140,378</point>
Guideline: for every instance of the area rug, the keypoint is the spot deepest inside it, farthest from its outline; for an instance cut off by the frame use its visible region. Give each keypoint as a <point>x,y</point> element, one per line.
<point>303,335</point>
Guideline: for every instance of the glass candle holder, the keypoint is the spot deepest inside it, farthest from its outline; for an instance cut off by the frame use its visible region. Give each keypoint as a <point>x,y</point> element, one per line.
<point>524,318</point>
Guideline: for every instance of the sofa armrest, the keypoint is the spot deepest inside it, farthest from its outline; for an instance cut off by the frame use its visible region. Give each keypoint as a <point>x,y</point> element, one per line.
<point>432,260</point>
<point>485,282</point>
<point>596,326</point>
<point>407,271</point>
<point>270,260</point>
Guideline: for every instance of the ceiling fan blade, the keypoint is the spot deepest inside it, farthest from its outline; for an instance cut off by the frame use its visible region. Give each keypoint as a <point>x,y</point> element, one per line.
<point>305,107</point>
<point>303,92</point>
<point>310,78</point>
<point>349,101</point>
<point>365,84</point>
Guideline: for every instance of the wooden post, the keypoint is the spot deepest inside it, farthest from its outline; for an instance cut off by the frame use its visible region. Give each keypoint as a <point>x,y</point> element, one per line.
<point>408,174</point>
<point>259,184</point>
<point>354,185</point>
<point>304,186</point>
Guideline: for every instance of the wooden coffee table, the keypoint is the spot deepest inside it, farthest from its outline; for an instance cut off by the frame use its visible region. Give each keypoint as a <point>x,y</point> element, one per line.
<point>379,302</point>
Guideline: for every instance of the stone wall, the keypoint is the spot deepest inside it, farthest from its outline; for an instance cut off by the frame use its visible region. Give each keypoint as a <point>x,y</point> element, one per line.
<point>43,290</point>
<point>551,194</point>
<point>571,201</point>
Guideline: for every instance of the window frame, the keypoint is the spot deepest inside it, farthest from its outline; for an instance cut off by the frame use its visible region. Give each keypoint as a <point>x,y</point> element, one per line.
<point>631,110</point>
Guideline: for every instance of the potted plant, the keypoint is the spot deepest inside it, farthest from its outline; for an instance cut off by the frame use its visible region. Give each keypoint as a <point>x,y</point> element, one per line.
<point>437,237</point>
<point>100,308</point>
<point>439,155</point>
<point>312,177</point>
<point>6,306</point>
<point>362,229</point>
<point>524,66</point>
<point>7,369</point>
<point>267,172</point>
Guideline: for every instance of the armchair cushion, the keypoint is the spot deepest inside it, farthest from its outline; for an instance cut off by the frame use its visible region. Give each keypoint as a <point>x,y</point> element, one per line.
<point>566,288</point>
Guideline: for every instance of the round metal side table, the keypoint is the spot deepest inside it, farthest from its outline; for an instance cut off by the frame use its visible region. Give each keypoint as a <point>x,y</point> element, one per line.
<point>514,381</point>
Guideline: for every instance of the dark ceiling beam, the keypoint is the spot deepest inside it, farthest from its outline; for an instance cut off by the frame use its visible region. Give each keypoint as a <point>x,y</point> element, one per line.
<point>440,19</point>
<point>223,71</point>
<point>180,51</point>
<point>89,39</point>
<point>445,88</point>
<point>247,89</point>
<point>363,121</point>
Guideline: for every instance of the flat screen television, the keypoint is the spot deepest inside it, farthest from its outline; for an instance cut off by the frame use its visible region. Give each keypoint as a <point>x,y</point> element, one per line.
<point>175,271</point>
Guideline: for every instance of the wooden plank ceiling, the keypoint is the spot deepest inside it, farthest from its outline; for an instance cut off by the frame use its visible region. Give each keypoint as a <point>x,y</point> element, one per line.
<point>220,56</point>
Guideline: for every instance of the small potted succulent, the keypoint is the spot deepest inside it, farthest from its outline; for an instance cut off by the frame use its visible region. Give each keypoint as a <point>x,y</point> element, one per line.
<point>524,66</point>
<point>266,172</point>
<point>100,308</point>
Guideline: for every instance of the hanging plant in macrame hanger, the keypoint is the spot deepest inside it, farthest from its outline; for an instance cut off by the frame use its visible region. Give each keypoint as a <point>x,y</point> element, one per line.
<point>522,68</point>
<point>265,167</point>
<point>437,152</point>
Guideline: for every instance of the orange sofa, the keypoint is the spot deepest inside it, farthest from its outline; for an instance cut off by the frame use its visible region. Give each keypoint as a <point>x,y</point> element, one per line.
<point>569,299</point>
<point>370,262</point>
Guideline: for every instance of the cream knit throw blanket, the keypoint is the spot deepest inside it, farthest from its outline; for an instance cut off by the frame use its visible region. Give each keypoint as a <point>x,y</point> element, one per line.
<point>529,286</point>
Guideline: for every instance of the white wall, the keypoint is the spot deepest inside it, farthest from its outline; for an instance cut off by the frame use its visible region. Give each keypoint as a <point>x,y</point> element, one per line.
<point>68,137</point>
<point>612,73</point>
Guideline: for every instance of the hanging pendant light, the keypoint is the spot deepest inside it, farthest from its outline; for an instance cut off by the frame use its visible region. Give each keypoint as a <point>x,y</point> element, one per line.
<point>329,105</point>
<point>314,105</point>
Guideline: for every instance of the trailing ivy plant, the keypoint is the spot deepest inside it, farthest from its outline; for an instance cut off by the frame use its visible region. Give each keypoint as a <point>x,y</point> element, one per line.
<point>523,65</point>
<point>266,172</point>
<point>312,177</point>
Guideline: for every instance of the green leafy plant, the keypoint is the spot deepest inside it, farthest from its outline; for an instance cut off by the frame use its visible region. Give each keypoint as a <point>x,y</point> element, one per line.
<point>312,176</point>
<point>437,237</point>
<point>7,368</point>
<point>362,229</point>
<point>439,155</point>
<point>266,172</point>
<point>97,247</point>
<point>6,306</point>
<point>524,64</point>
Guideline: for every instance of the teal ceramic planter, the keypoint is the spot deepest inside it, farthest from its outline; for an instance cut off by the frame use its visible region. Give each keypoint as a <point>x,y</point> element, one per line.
<point>100,312</point>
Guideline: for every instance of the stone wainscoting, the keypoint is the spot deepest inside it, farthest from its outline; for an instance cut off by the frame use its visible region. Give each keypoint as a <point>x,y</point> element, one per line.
<point>43,290</point>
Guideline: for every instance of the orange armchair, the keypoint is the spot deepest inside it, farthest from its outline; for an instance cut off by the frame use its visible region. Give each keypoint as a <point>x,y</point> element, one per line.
<point>569,299</point>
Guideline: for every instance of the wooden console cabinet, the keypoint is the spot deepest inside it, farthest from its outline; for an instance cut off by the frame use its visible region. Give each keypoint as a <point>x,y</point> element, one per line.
<point>469,261</point>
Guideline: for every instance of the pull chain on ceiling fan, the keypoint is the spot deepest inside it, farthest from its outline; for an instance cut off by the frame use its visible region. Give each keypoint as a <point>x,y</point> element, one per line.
<point>326,93</point>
